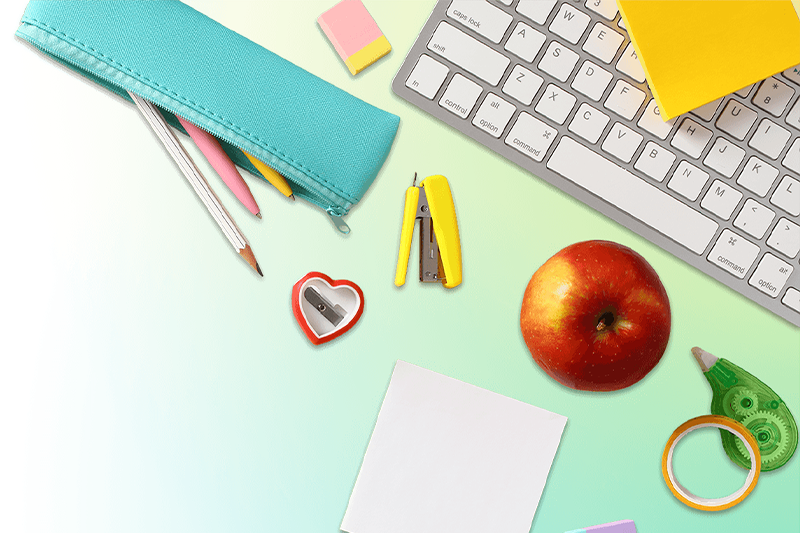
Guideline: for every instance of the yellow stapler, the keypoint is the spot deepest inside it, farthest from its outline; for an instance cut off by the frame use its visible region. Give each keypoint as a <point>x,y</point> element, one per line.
<point>440,246</point>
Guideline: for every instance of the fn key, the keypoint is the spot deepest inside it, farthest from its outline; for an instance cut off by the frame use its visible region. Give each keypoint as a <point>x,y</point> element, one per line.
<point>427,76</point>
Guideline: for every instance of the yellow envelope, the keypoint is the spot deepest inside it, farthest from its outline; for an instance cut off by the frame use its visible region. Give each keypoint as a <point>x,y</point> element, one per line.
<point>695,51</point>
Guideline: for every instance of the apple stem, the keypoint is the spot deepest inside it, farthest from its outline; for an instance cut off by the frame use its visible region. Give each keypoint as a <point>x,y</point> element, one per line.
<point>605,320</point>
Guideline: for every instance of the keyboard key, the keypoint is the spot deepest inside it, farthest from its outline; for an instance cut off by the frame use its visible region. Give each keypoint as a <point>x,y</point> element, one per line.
<point>633,195</point>
<point>787,196</point>
<point>468,53</point>
<point>769,138</point>
<point>785,238</point>
<point>622,142</point>
<point>792,159</point>
<point>793,118</point>
<point>605,8</point>
<point>721,199</point>
<point>754,218</point>
<point>427,76</point>
<point>536,10</point>
<point>591,80</point>
<point>773,95</point>
<point>736,119</point>
<point>525,42</point>
<point>522,84</point>
<point>655,161</point>
<point>724,157</point>
<point>733,253</point>
<point>570,23</point>
<point>744,91</point>
<point>792,74</point>
<point>531,136</point>
<point>603,42</point>
<point>706,112</point>
<point>688,180</point>
<point>757,176</point>
<point>493,115</point>
<point>771,275</point>
<point>625,99</point>
<point>691,138</point>
<point>558,61</point>
<point>460,96</point>
<point>651,121</point>
<point>792,299</point>
<point>589,123</point>
<point>481,17</point>
<point>629,64</point>
<point>555,103</point>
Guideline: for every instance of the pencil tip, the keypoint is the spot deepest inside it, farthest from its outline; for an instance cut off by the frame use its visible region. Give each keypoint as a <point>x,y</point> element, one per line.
<point>259,214</point>
<point>247,254</point>
<point>293,198</point>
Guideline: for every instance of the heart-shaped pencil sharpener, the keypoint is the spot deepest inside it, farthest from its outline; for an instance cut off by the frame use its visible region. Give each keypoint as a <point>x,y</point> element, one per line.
<point>326,308</point>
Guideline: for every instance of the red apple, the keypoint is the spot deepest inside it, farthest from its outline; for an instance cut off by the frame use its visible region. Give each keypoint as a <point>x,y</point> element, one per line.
<point>596,317</point>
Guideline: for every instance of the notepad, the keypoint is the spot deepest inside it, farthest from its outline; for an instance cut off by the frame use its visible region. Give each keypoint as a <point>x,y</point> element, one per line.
<point>696,51</point>
<point>449,456</point>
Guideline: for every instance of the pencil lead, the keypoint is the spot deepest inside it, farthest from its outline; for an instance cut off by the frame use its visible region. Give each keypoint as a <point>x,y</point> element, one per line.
<point>259,270</point>
<point>293,198</point>
<point>259,215</point>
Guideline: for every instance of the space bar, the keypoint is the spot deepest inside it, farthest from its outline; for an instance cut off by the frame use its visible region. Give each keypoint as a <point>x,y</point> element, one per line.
<point>633,195</point>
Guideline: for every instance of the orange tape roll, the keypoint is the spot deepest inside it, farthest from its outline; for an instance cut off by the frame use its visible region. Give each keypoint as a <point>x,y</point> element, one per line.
<point>711,504</point>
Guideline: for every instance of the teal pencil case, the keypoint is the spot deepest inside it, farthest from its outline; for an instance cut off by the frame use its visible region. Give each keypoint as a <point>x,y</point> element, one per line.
<point>328,144</point>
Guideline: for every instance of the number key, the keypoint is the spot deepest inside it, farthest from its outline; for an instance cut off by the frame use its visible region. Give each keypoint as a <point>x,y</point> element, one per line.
<point>605,8</point>
<point>773,95</point>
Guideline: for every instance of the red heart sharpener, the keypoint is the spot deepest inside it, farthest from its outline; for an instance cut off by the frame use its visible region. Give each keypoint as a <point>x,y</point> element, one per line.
<point>326,308</point>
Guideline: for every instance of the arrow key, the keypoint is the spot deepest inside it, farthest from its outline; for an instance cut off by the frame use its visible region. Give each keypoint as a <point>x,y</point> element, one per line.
<point>754,218</point>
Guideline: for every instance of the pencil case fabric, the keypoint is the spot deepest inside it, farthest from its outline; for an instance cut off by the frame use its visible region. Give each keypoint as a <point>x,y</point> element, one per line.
<point>329,144</point>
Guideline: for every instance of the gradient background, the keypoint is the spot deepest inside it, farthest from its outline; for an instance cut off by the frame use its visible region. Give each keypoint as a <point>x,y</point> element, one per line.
<point>149,381</point>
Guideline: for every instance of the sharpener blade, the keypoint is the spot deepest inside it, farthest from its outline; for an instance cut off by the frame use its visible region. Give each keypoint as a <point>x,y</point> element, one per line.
<point>332,313</point>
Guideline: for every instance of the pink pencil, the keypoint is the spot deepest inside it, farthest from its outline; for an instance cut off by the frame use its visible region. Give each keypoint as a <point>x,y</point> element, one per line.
<point>211,148</point>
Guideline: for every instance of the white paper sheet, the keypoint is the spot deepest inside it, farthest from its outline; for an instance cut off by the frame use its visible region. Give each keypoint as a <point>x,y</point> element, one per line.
<point>446,456</point>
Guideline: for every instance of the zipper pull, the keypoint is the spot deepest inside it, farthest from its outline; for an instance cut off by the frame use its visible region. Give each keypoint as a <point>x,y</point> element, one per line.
<point>336,215</point>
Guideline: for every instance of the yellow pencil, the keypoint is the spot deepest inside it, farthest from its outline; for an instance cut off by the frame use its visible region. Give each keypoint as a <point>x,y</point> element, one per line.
<point>273,177</point>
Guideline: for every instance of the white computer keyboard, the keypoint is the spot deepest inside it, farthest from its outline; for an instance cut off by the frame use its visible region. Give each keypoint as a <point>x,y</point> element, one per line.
<point>557,88</point>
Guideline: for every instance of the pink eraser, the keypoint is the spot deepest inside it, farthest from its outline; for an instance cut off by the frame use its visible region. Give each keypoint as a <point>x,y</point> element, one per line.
<point>355,35</point>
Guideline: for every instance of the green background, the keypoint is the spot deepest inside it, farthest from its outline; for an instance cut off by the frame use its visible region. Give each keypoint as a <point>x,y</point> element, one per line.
<point>149,381</point>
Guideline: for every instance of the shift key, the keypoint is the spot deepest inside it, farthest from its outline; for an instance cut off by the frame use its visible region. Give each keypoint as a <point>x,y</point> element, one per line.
<point>468,53</point>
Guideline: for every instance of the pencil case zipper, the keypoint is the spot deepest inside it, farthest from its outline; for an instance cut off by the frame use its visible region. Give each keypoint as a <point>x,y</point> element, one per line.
<point>302,185</point>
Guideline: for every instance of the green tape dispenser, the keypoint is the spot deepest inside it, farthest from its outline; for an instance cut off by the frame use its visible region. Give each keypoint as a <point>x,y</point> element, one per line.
<point>740,395</point>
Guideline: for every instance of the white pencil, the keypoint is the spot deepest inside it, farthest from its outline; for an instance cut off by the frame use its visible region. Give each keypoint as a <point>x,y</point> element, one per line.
<point>196,179</point>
